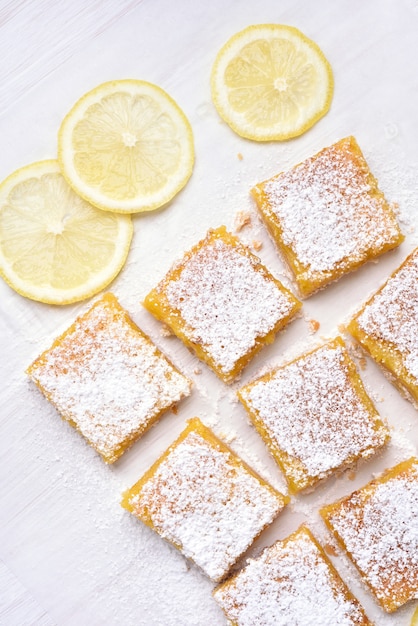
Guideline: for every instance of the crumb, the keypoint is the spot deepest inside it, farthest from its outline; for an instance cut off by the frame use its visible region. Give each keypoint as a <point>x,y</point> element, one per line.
<point>257,245</point>
<point>341,328</point>
<point>227,437</point>
<point>357,351</point>
<point>313,326</point>
<point>330,549</point>
<point>233,398</point>
<point>197,371</point>
<point>165,331</point>
<point>240,157</point>
<point>242,219</point>
<point>362,363</point>
<point>351,474</point>
<point>175,409</point>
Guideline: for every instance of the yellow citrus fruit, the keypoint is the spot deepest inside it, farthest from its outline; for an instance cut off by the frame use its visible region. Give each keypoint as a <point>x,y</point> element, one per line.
<point>270,82</point>
<point>54,246</point>
<point>414,620</point>
<point>126,147</point>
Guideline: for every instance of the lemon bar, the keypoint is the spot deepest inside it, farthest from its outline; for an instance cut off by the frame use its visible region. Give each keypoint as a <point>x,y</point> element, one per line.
<point>315,415</point>
<point>387,327</point>
<point>222,303</point>
<point>291,582</point>
<point>377,526</point>
<point>204,500</point>
<point>107,379</point>
<point>327,215</point>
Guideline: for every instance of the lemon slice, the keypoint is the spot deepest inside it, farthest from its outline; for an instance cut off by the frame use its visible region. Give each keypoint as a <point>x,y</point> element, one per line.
<point>414,620</point>
<point>54,246</point>
<point>126,146</point>
<point>270,82</point>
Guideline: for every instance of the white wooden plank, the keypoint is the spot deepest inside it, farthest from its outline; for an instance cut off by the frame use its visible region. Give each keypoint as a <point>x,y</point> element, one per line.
<point>69,552</point>
<point>17,606</point>
<point>38,35</point>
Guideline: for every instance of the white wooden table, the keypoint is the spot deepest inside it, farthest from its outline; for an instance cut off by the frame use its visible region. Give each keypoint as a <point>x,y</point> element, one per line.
<point>69,554</point>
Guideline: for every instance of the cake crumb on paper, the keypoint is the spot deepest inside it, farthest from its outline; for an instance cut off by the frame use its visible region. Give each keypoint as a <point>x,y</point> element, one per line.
<point>330,549</point>
<point>257,245</point>
<point>351,474</point>
<point>242,219</point>
<point>314,325</point>
<point>165,331</point>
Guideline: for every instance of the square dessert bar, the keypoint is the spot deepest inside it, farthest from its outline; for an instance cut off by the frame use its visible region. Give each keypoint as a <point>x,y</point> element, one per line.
<point>107,379</point>
<point>315,415</point>
<point>204,500</point>
<point>387,327</point>
<point>222,303</point>
<point>327,215</point>
<point>378,528</point>
<point>292,582</point>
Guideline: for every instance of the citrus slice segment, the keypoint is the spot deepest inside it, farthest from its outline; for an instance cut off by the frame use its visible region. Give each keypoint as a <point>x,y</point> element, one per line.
<point>270,82</point>
<point>414,620</point>
<point>126,146</point>
<point>54,246</point>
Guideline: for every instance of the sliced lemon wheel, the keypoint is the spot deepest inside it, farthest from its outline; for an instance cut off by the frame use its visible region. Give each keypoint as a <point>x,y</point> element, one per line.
<point>54,246</point>
<point>270,82</point>
<point>126,146</point>
<point>414,620</point>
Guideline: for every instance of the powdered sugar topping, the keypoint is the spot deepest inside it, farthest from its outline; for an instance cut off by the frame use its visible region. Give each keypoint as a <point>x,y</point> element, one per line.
<point>200,499</point>
<point>108,379</point>
<point>312,412</point>
<point>380,531</point>
<point>329,212</point>
<point>226,303</point>
<point>289,584</point>
<point>392,315</point>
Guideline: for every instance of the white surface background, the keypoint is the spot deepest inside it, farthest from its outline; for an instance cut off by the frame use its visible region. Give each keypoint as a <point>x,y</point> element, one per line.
<point>69,554</point>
